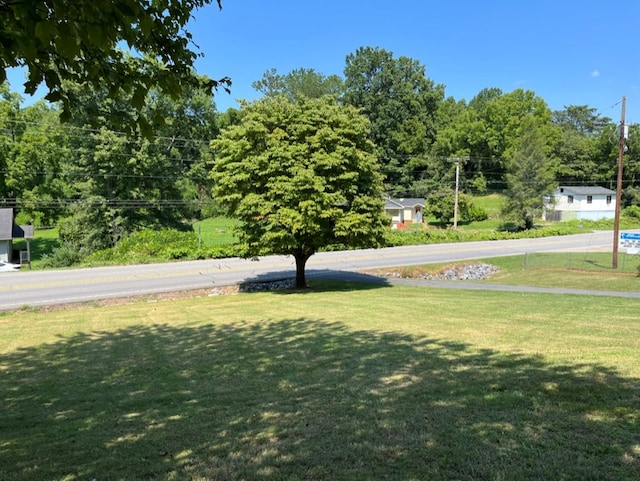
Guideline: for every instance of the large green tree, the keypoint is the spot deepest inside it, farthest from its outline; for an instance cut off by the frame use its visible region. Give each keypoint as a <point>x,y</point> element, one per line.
<point>401,103</point>
<point>530,174</point>
<point>80,41</point>
<point>587,146</point>
<point>35,175</point>
<point>9,115</point>
<point>300,176</point>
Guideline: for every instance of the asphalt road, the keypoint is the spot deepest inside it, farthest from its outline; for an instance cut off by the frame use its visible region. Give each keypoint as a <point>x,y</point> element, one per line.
<point>39,288</point>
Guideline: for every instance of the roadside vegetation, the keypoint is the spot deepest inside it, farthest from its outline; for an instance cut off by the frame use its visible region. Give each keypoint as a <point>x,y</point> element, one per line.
<point>216,237</point>
<point>178,161</point>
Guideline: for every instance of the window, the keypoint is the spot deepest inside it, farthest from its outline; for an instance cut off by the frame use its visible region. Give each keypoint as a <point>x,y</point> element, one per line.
<point>589,199</point>
<point>569,199</point>
<point>608,199</point>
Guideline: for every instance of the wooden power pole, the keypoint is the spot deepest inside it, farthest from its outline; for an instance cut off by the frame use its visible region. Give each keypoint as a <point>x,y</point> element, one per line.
<point>616,222</point>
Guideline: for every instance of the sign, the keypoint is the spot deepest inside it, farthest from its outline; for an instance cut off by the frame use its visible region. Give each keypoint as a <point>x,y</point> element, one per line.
<point>630,241</point>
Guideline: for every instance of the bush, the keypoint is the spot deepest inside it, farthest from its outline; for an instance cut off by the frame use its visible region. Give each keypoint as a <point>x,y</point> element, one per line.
<point>150,245</point>
<point>442,207</point>
<point>474,213</point>
<point>632,211</point>
<point>66,255</point>
<point>164,244</point>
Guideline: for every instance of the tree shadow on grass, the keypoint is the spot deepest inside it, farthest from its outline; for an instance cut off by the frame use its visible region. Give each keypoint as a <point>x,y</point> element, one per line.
<point>318,279</point>
<point>306,399</point>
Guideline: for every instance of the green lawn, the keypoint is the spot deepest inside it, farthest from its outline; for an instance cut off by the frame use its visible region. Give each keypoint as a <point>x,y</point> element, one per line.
<point>492,203</point>
<point>591,271</point>
<point>216,231</point>
<point>44,242</point>
<point>346,382</point>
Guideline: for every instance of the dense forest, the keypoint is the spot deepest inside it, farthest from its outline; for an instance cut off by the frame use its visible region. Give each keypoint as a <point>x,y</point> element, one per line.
<point>97,182</point>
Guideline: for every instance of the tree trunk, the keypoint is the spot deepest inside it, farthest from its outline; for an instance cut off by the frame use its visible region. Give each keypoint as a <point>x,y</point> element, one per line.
<point>301,258</point>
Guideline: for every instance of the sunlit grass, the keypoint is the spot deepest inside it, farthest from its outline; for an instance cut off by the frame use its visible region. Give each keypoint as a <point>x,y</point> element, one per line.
<point>592,271</point>
<point>492,203</point>
<point>587,271</point>
<point>216,231</point>
<point>339,382</point>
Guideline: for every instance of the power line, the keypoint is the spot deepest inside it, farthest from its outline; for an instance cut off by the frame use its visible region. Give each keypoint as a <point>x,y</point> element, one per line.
<point>115,203</point>
<point>87,130</point>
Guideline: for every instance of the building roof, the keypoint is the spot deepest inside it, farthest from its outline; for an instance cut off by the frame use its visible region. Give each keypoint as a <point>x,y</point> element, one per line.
<point>22,231</point>
<point>8,230</point>
<point>395,203</point>
<point>6,224</point>
<point>587,190</point>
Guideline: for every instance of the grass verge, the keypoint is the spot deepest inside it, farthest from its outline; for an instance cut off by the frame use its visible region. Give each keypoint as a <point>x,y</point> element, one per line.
<point>589,271</point>
<point>340,382</point>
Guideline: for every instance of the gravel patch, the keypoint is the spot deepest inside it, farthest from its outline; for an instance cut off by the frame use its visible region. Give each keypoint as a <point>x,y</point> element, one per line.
<point>463,272</point>
<point>267,285</point>
<point>457,272</point>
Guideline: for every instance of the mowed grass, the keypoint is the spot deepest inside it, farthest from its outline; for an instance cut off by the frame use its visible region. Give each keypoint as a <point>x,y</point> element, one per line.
<point>344,381</point>
<point>573,270</point>
<point>590,271</point>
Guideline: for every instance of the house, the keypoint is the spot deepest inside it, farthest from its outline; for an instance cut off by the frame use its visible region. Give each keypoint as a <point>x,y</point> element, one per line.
<point>10,231</point>
<point>589,203</point>
<point>404,211</point>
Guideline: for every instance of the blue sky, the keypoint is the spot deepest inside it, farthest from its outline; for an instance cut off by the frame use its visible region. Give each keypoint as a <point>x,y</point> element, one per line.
<point>569,52</point>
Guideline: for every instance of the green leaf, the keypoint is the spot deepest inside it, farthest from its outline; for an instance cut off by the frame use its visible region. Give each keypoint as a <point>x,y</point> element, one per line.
<point>54,96</point>
<point>67,46</point>
<point>44,31</point>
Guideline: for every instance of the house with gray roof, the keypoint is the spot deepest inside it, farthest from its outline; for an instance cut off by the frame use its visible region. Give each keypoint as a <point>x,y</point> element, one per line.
<point>404,211</point>
<point>582,202</point>
<point>10,231</point>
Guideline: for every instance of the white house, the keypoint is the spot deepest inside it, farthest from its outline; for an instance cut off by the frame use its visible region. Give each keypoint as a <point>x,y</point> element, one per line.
<point>589,203</point>
<point>404,211</point>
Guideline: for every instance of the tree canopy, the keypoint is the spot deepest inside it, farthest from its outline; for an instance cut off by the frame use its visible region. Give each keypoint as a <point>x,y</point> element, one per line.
<point>298,83</point>
<point>80,41</point>
<point>530,175</point>
<point>98,184</point>
<point>300,176</point>
<point>401,103</point>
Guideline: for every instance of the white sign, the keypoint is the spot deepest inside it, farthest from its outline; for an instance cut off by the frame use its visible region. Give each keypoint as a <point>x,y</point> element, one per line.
<point>630,241</point>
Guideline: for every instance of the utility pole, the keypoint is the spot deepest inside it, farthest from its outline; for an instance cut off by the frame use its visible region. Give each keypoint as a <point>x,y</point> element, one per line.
<point>616,222</point>
<point>456,161</point>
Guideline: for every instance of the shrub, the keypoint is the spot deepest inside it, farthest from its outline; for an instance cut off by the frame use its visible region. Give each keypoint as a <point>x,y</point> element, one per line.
<point>632,211</point>
<point>65,255</point>
<point>164,244</point>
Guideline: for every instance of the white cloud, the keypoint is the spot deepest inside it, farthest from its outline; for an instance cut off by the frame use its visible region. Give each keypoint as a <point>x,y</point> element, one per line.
<point>595,73</point>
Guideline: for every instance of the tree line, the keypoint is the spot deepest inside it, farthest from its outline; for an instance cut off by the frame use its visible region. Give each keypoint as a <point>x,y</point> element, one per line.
<point>99,181</point>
